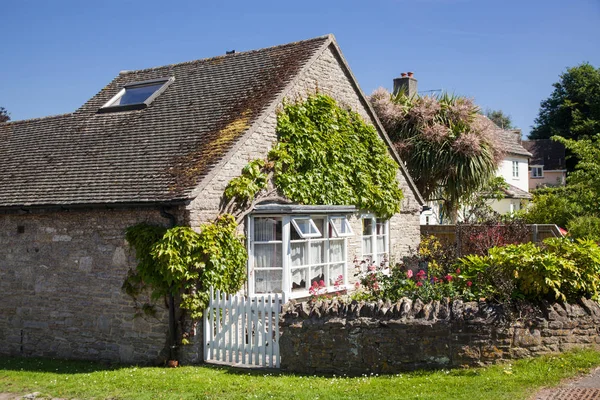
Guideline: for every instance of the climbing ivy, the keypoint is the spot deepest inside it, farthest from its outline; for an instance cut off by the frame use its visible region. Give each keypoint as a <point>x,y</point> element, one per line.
<point>249,183</point>
<point>328,155</point>
<point>183,262</point>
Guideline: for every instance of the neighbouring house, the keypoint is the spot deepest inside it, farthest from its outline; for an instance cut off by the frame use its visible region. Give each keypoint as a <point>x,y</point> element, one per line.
<point>514,171</point>
<point>159,145</point>
<point>547,166</point>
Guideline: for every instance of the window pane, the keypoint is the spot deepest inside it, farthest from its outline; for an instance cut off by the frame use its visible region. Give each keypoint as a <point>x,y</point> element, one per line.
<point>267,281</point>
<point>298,254</point>
<point>317,252</point>
<point>317,274</point>
<point>306,227</point>
<point>381,244</point>
<point>137,94</point>
<point>381,226</point>
<point>336,250</point>
<point>367,226</point>
<point>341,226</point>
<point>267,255</point>
<point>298,279</point>
<point>367,246</point>
<point>319,222</point>
<point>336,274</point>
<point>267,229</point>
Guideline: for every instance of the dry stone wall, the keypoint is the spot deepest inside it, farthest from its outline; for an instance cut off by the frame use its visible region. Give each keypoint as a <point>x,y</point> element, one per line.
<point>354,338</point>
<point>61,274</point>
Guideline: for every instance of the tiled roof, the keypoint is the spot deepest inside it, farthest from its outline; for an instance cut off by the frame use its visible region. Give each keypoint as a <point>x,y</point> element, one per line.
<point>511,141</point>
<point>158,154</point>
<point>516,193</point>
<point>546,152</point>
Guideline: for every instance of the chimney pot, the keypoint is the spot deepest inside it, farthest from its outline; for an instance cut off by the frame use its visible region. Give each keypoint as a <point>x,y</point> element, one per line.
<point>406,83</point>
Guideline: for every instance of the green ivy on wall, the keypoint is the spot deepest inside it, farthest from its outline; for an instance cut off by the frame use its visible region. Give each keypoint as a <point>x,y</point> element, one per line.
<point>182,262</point>
<point>326,155</point>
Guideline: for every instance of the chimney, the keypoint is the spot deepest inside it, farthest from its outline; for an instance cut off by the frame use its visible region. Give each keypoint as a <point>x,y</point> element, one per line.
<point>408,84</point>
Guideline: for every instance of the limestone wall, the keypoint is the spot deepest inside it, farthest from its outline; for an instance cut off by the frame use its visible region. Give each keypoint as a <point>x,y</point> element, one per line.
<point>61,274</point>
<point>358,338</point>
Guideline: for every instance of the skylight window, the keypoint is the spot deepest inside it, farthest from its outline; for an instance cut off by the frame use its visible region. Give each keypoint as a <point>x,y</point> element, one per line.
<point>137,95</point>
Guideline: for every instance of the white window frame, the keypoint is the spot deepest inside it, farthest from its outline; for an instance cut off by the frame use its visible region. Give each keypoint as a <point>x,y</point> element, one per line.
<point>537,168</point>
<point>349,232</point>
<point>374,257</point>
<point>110,105</point>
<point>515,170</point>
<point>316,234</point>
<point>287,224</point>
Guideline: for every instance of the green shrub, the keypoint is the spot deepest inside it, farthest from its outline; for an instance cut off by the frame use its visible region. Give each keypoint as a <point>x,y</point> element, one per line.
<point>559,270</point>
<point>585,227</point>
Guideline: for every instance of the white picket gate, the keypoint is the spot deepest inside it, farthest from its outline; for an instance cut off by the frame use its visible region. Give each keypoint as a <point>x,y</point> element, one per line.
<point>242,331</point>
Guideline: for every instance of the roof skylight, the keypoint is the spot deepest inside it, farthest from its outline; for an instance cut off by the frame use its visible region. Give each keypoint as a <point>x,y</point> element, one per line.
<point>137,95</point>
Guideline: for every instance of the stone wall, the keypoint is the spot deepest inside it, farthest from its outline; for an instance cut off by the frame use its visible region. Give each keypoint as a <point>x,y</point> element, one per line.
<point>356,338</point>
<point>61,274</point>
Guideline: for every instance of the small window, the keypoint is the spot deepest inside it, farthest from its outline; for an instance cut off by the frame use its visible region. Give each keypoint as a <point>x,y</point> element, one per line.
<point>136,96</point>
<point>515,169</point>
<point>306,227</point>
<point>341,226</point>
<point>537,172</point>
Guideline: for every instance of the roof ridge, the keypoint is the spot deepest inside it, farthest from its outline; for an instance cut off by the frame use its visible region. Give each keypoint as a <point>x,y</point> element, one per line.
<point>236,54</point>
<point>19,121</point>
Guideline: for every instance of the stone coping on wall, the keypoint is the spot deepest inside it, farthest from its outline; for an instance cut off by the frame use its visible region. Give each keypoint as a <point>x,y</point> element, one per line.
<point>354,338</point>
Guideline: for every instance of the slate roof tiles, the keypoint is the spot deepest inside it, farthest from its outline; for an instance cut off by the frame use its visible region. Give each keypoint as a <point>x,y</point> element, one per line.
<point>158,154</point>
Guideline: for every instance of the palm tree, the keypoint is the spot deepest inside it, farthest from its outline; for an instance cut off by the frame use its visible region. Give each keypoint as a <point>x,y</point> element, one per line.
<point>449,149</point>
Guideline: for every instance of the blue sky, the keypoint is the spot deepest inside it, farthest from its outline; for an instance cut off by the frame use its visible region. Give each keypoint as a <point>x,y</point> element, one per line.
<point>505,54</point>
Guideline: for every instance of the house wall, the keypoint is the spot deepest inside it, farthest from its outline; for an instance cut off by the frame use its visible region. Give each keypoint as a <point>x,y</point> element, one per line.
<point>504,206</point>
<point>61,274</point>
<point>505,171</point>
<point>550,178</point>
<point>326,74</point>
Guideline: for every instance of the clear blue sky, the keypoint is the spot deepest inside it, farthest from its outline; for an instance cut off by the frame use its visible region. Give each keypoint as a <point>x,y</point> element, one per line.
<point>504,53</point>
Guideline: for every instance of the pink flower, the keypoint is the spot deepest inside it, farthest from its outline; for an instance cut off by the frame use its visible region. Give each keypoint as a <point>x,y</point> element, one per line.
<point>376,286</point>
<point>448,277</point>
<point>409,273</point>
<point>419,283</point>
<point>321,283</point>
<point>372,267</point>
<point>469,283</point>
<point>357,285</point>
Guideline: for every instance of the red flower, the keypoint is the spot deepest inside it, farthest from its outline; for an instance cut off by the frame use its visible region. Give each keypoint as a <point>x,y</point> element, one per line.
<point>435,279</point>
<point>469,283</point>
<point>458,270</point>
<point>419,283</point>
<point>321,283</point>
<point>421,275</point>
<point>448,277</point>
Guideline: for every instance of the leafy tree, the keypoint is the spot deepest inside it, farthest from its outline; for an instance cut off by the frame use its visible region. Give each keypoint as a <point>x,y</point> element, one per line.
<point>573,109</point>
<point>4,116</point>
<point>449,149</point>
<point>498,117</point>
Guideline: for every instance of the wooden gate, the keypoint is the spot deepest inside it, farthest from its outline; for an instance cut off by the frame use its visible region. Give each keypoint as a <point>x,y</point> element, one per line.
<point>242,331</point>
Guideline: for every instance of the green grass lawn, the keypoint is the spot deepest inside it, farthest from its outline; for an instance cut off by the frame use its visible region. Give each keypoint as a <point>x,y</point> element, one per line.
<point>85,380</point>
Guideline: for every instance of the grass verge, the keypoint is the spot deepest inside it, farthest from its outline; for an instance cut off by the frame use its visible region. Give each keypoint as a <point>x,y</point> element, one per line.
<point>86,380</point>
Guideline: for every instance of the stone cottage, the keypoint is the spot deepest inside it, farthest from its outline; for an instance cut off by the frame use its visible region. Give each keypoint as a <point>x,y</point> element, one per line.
<point>159,145</point>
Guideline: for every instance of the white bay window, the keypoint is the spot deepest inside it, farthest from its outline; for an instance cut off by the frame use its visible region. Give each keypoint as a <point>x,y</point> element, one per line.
<point>291,253</point>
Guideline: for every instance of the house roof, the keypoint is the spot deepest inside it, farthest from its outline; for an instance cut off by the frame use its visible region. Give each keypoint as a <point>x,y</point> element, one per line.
<point>514,192</point>
<point>546,152</point>
<point>162,153</point>
<point>158,154</point>
<point>511,141</point>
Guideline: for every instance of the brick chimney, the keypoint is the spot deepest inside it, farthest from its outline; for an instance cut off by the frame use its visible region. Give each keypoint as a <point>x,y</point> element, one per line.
<point>407,83</point>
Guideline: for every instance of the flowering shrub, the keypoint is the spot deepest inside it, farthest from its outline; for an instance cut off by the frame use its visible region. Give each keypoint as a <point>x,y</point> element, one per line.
<point>318,291</point>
